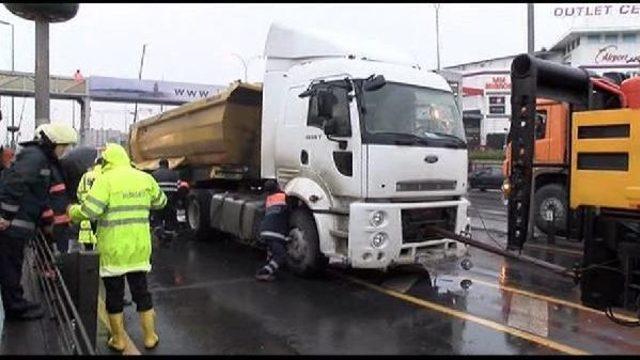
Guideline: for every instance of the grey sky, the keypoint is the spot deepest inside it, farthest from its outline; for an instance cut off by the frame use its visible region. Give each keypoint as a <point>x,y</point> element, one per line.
<point>193,42</point>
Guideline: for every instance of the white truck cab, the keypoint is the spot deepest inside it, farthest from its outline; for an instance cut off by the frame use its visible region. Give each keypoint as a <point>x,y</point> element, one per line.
<point>372,146</point>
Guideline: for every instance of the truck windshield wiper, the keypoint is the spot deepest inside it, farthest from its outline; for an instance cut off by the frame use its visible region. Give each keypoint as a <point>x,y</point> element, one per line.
<point>407,139</point>
<point>449,136</point>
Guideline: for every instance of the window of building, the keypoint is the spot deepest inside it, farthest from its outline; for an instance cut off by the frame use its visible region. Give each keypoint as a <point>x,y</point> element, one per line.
<point>628,38</point>
<point>594,38</point>
<point>497,105</point>
<point>609,38</point>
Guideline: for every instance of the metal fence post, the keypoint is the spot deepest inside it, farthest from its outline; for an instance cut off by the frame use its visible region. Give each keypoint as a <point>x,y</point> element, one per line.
<point>80,273</point>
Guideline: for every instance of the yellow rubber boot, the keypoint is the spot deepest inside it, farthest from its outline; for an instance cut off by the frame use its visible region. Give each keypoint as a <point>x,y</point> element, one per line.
<point>116,340</point>
<point>147,321</point>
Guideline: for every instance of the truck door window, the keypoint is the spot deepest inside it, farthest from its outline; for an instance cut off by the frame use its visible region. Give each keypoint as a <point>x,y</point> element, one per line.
<point>340,110</point>
<point>541,124</point>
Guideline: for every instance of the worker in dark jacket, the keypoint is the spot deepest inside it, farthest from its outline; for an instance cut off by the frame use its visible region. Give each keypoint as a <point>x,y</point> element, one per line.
<point>169,180</point>
<point>273,230</point>
<point>25,190</point>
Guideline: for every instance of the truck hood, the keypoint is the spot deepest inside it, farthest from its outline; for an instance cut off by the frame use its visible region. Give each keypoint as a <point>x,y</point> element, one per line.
<point>415,172</point>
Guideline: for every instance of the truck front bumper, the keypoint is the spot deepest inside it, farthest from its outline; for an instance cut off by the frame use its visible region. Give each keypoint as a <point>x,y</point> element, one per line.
<point>386,234</point>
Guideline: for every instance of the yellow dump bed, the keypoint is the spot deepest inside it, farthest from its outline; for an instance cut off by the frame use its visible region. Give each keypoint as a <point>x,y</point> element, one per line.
<point>221,130</point>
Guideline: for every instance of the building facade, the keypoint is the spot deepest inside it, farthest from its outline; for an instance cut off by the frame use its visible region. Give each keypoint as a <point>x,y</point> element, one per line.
<point>486,85</point>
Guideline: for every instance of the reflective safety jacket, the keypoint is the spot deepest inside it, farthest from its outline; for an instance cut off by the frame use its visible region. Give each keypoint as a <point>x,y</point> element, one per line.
<point>86,234</point>
<point>25,191</point>
<point>275,223</point>
<point>120,200</point>
<point>86,181</point>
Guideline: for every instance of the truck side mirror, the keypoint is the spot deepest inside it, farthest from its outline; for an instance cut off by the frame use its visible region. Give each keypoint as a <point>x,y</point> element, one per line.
<point>374,83</point>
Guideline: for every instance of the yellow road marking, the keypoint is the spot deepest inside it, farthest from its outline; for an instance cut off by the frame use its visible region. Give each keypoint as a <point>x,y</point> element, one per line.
<point>130,348</point>
<point>547,298</point>
<point>554,248</point>
<point>478,320</point>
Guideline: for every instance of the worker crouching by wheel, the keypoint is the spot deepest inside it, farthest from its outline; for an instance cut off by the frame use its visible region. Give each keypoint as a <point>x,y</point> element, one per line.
<point>120,200</point>
<point>273,231</point>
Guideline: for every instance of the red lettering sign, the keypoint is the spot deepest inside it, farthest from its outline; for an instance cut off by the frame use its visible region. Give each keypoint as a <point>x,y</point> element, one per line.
<point>498,83</point>
<point>610,54</point>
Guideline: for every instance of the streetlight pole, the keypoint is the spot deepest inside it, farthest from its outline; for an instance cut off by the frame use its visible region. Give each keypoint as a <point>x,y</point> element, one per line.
<point>13,69</point>
<point>246,63</point>
<point>135,112</point>
<point>530,29</point>
<point>437,7</point>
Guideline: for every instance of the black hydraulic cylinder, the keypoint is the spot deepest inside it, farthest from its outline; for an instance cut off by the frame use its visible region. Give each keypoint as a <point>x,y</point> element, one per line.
<point>516,256</point>
<point>531,79</point>
<point>552,80</point>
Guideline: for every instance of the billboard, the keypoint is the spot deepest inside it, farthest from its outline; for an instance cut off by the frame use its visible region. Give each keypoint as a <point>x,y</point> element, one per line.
<point>149,91</point>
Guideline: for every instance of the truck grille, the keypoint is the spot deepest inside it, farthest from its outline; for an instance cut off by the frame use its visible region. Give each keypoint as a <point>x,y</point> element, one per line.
<point>426,185</point>
<point>415,223</point>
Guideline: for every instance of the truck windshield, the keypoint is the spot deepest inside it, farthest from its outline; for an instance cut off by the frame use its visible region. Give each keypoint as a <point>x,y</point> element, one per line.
<point>401,113</point>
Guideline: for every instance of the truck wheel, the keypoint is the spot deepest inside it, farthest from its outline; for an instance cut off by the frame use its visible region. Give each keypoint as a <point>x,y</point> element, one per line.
<point>198,214</point>
<point>552,196</point>
<point>303,250</point>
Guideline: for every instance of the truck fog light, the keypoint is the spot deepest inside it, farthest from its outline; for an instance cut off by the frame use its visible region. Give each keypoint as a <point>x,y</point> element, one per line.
<point>379,240</point>
<point>377,218</point>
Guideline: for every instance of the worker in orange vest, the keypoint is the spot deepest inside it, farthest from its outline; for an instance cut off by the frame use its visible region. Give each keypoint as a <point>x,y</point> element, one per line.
<point>273,231</point>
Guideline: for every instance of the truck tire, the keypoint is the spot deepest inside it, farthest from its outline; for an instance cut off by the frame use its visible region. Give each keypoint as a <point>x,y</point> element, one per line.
<point>551,195</point>
<point>303,250</point>
<point>198,203</point>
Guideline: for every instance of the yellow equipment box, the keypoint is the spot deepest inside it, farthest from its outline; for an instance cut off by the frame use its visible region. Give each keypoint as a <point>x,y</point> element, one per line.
<point>605,159</point>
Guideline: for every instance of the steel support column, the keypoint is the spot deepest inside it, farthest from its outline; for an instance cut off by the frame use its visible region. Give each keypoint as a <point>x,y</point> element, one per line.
<point>42,72</point>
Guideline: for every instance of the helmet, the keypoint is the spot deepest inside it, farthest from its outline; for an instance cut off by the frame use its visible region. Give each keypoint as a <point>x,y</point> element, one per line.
<point>271,186</point>
<point>57,133</point>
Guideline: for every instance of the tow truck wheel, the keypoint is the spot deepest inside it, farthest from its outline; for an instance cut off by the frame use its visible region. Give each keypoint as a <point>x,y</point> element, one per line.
<point>197,215</point>
<point>551,197</point>
<point>303,249</point>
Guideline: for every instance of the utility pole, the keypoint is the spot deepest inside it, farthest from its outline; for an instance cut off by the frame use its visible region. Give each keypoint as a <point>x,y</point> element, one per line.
<point>530,29</point>
<point>437,7</point>
<point>12,129</point>
<point>135,111</point>
<point>162,105</point>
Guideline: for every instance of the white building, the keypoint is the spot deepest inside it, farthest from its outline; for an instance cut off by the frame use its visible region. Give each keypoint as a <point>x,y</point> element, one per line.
<point>486,84</point>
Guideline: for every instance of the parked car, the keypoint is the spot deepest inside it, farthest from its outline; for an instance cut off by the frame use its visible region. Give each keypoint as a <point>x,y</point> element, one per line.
<point>486,178</point>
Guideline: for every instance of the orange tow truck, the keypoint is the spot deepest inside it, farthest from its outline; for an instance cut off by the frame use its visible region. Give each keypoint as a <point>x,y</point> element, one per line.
<point>550,168</point>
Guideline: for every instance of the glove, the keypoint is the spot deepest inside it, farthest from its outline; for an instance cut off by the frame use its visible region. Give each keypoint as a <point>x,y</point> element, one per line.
<point>4,224</point>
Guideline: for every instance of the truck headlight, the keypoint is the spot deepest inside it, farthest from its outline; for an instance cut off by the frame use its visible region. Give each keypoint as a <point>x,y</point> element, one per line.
<point>506,188</point>
<point>379,240</point>
<point>377,218</point>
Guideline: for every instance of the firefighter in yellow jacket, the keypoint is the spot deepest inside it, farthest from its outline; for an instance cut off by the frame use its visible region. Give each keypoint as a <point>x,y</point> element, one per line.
<point>120,200</point>
<point>86,236</point>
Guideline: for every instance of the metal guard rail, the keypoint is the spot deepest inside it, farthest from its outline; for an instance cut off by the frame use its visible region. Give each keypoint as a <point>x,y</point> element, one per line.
<point>73,335</point>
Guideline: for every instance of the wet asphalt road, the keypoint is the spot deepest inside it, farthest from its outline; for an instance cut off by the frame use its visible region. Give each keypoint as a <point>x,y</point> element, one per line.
<point>208,303</point>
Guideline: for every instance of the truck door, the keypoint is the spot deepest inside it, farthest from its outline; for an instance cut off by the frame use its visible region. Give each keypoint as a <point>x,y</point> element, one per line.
<point>335,160</point>
<point>302,148</point>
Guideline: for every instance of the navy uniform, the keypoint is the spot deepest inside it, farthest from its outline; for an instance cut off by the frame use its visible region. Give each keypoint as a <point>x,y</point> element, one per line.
<point>273,231</point>
<point>27,197</point>
<point>169,180</point>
